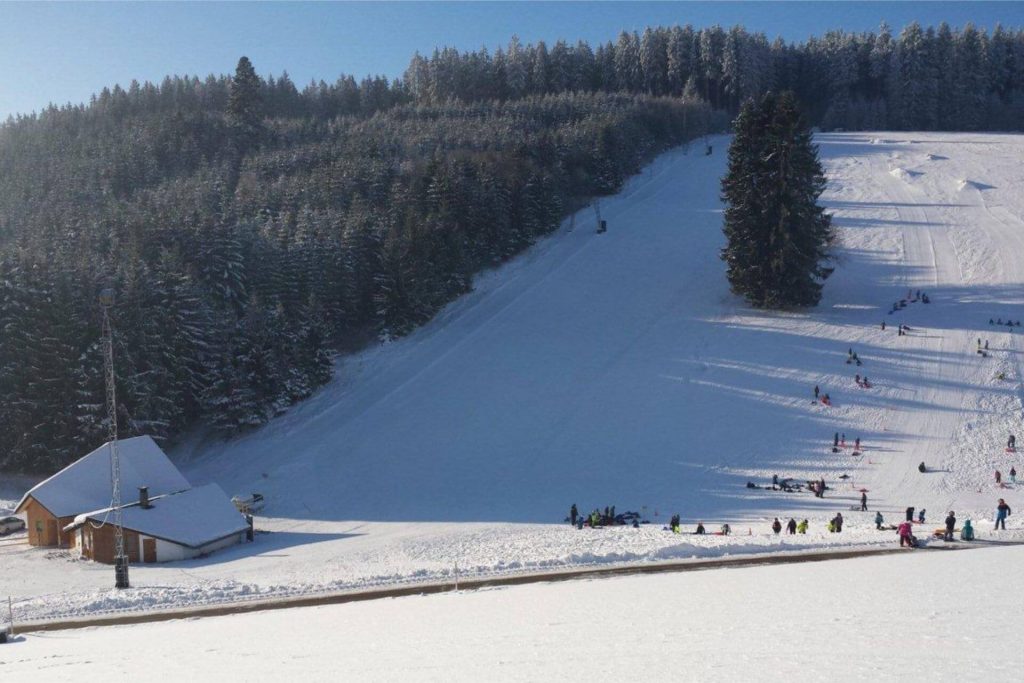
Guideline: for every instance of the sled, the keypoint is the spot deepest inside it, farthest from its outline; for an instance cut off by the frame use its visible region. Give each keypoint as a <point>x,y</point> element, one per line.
<point>857,453</point>
<point>248,504</point>
<point>1010,449</point>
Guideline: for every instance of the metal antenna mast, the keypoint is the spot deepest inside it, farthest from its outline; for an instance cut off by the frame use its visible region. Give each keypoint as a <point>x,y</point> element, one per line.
<point>120,560</point>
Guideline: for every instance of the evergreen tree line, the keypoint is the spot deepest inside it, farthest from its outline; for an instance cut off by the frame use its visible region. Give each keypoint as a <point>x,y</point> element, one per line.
<point>934,78</point>
<point>247,244</point>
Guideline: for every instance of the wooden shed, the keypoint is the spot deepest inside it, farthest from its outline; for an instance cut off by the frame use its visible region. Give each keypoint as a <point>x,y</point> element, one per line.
<point>162,529</point>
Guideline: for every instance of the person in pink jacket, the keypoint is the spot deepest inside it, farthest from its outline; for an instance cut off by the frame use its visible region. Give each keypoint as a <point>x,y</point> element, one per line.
<point>905,534</point>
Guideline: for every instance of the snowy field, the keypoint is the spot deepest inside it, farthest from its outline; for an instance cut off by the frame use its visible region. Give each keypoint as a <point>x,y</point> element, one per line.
<point>617,369</point>
<point>923,616</point>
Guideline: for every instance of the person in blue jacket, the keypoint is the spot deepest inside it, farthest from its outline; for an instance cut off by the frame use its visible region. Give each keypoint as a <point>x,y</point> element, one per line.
<point>1002,512</point>
<point>967,531</point>
<point>879,520</point>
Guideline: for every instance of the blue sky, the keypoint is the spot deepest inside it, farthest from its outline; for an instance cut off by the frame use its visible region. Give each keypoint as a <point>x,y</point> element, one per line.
<point>64,52</point>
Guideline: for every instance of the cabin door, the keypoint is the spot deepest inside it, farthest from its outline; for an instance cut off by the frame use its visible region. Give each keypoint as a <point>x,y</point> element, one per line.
<point>149,550</point>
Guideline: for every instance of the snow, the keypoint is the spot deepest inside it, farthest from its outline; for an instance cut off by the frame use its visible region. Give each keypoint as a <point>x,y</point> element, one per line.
<point>618,369</point>
<point>191,518</point>
<point>935,616</point>
<point>85,484</point>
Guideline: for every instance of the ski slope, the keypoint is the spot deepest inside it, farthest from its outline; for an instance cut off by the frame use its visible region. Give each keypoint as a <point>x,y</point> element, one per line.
<point>618,369</point>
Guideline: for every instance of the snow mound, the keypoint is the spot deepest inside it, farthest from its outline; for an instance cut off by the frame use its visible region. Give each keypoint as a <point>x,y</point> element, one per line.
<point>904,174</point>
<point>964,184</point>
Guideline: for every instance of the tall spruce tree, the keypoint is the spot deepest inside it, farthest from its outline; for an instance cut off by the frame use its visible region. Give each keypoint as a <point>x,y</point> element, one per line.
<point>777,235</point>
<point>244,108</point>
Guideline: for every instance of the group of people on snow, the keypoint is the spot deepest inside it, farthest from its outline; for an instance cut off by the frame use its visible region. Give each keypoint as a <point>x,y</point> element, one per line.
<point>792,527</point>
<point>597,518</point>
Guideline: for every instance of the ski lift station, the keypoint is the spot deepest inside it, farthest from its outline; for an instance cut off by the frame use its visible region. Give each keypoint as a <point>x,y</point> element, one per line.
<point>169,520</point>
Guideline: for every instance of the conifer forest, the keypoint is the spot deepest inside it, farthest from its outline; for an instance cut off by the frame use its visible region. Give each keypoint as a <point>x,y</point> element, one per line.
<point>252,229</point>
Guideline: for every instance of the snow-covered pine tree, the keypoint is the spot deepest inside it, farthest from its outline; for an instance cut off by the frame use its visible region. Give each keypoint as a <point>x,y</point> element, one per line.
<point>777,235</point>
<point>245,115</point>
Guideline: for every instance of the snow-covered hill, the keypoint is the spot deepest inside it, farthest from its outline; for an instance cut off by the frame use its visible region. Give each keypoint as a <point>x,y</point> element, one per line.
<point>617,369</point>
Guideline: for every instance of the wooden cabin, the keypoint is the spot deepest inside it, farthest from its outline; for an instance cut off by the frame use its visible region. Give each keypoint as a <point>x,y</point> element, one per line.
<point>84,485</point>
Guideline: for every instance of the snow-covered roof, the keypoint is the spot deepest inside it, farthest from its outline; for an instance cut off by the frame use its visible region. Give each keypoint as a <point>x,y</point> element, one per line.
<point>191,518</point>
<point>85,484</point>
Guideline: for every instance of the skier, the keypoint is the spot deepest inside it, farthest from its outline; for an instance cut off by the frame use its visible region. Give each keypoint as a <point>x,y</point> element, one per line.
<point>816,392</point>
<point>838,522</point>
<point>867,384</point>
<point>801,528</point>
<point>950,525</point>
<point>879,520</point>
<point>856,444</point>
<point>910,513</point>
<point>986,344</point>
<point>899,333</point>
<point>883,326</point>
<point>920,516</point>
<point>863,502</point>
<point>999,477</point>
<point>831,526</point>
<point>1002,512</point>
<point>775,482</point>
<point>1013,475</point>
<point>856,378</point>
<point>573,513</point>
<point>1011,443</point>
<point>921,468</point>
<point>821,487</point>
<point>842,440</point>
<point>967,531</point>
<point>791,526</point>
<point>700,528</point>
<point>835,441</point>
<point>726,530</point>
<point>776,525</point>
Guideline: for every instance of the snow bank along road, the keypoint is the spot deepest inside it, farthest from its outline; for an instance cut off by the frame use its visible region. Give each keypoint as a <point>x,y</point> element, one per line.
<point>919,617</point>
<point>617,369</point>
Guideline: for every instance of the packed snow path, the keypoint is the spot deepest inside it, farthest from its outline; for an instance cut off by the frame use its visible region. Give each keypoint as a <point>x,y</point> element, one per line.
<point>618,369</point>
